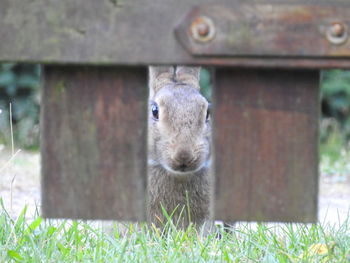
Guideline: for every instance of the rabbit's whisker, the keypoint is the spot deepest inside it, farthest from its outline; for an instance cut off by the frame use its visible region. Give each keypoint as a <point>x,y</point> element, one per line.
<point>151,162</point>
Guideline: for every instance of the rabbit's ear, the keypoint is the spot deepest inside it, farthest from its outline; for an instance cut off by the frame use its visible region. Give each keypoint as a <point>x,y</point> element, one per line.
<point>188,75</point>
<point>159,77</point>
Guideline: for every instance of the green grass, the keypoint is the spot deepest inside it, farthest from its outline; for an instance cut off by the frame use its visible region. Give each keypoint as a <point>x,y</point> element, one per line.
<point>42,240</point>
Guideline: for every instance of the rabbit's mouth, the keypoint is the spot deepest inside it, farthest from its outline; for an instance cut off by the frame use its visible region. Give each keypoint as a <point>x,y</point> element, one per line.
<point>183,169</point>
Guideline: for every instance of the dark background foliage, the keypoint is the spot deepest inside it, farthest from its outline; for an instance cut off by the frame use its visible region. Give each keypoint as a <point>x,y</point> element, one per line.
<point>335,89</point>
<point>19,85</point>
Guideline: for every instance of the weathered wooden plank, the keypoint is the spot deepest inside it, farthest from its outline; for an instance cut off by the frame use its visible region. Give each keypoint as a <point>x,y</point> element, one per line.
<point>142,32</point>
<point>265,141</point>
<point>266,30</point>
<point>93,142</point>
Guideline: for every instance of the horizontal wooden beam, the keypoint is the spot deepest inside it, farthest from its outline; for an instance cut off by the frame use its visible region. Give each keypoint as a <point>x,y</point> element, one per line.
<point>282,30</point>
<point>306,34</point>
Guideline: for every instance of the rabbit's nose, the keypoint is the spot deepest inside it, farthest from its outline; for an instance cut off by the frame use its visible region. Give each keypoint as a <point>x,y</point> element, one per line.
<point>183,159</point>
<point>183,155</point>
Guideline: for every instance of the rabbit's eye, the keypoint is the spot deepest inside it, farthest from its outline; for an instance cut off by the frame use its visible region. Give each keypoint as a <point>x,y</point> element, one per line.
<point>155,111</point>
<point>208,113</point>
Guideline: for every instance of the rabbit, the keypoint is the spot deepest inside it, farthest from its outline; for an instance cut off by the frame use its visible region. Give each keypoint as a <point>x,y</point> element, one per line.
<point>179,147</point>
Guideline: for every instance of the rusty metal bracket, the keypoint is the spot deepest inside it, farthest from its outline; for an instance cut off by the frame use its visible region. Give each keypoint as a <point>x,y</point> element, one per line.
<point>253,29</point>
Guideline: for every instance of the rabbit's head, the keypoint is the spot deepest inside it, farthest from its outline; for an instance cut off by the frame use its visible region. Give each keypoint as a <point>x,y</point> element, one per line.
<point>179,125</point>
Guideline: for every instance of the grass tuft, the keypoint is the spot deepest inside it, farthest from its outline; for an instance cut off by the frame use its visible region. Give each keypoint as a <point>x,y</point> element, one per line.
<point>39,240</point>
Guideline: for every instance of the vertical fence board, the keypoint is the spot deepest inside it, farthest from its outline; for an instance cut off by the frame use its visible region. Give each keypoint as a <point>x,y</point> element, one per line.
<point>265,141</point>
<point>94,125</point>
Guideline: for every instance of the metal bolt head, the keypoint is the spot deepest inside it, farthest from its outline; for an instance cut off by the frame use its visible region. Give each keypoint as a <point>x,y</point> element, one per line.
<point>337,33</point>
<point>202,29</point>
<point>337,29</point>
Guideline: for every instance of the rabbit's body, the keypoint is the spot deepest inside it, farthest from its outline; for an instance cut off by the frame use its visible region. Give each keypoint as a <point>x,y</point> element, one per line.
<point>179,147</point>
<point>175,194</point>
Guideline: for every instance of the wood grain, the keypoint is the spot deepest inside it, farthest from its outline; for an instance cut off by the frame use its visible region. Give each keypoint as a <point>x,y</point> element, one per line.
<point>266,145</point>
<point>136,32</point>
<point>269,30</point>
<point>93,142</point>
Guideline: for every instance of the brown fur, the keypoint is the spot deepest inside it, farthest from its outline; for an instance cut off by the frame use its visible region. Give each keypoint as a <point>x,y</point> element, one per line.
<point>179,147</point>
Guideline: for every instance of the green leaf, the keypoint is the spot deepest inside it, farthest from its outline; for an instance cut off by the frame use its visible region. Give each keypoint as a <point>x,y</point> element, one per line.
<point>51,230</point>
<point>64,250</point>
<point>8,66</point>
<point>21,219</point>
<point>33,225</point>
<point>7,78</point>
<point>28,81</point>
<point>11,89</point>
<point>14,255</point>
